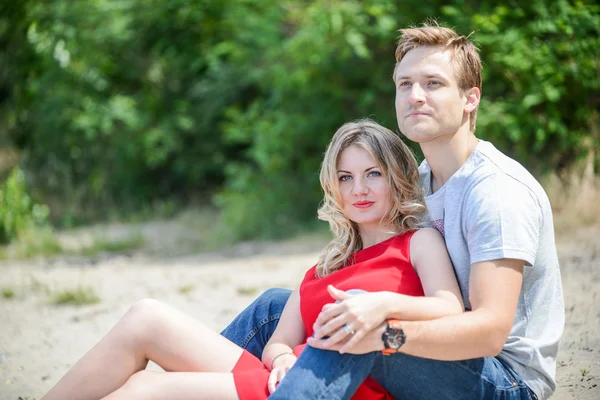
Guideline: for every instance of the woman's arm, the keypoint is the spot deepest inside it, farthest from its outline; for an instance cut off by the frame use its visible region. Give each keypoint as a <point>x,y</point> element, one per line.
<point>278,355</point>
<point>430,259</point>
<point>365,312</point>
<point>289,333</point>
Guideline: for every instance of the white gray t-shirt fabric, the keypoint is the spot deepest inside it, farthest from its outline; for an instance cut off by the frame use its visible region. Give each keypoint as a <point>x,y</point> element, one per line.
<point>493,208</point>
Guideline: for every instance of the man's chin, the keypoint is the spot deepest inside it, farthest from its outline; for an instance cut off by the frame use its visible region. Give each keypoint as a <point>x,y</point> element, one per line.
<point>419,136</point>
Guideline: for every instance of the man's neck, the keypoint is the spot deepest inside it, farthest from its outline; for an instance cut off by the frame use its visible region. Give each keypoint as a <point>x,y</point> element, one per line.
<point>447,154</point>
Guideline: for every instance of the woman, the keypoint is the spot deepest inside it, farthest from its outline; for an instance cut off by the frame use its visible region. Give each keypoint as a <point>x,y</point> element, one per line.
<point>373,203</point>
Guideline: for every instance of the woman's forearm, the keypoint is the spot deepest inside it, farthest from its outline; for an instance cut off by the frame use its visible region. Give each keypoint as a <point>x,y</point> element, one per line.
<point>422,308</point>
<point>275,350</point>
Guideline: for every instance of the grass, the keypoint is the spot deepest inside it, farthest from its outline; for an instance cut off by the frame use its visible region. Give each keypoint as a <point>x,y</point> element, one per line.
<point>247,291</point>
<point>38,242</point>
<point>8,293</point>
<point>44,243</point>
<point>186,289</point>
<point>78,297</point>
<point>38,286</point>
<point>102,245</point>
<point>584,372</point>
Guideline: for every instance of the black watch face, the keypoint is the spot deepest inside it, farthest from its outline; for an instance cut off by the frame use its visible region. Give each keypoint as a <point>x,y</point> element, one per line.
<point>395,339</point>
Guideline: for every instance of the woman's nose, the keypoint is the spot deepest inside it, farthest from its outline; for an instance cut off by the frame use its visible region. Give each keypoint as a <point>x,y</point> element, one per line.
<point>359,188</point>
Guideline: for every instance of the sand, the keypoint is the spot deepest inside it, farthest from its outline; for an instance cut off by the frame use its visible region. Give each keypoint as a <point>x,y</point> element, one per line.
<point>39,340</point>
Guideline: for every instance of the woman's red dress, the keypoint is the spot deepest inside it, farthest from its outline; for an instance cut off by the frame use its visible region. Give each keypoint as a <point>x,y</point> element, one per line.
<point>385,266</point>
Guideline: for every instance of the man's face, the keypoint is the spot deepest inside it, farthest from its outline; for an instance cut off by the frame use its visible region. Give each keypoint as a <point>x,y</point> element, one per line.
<point>429,103</point>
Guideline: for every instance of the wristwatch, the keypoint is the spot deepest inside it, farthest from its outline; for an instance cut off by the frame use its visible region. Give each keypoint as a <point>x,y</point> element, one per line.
<point>393,337</point>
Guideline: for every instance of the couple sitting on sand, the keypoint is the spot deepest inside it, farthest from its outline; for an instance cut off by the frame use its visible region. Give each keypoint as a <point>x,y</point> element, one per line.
<point>470,309</point>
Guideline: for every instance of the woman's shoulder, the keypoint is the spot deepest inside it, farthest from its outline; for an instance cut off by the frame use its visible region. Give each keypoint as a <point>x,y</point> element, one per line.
<point>426,234</point>
<point>404,238</point>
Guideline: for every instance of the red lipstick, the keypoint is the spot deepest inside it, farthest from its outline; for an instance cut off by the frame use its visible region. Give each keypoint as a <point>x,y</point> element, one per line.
<point>363,204</point>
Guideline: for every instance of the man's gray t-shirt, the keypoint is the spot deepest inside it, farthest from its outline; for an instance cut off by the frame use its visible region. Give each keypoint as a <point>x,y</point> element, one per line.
<point>493,208</point>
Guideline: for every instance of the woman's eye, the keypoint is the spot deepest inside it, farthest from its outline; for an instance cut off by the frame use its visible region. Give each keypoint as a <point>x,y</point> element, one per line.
<point>345,178</point>
<point>374,173</point>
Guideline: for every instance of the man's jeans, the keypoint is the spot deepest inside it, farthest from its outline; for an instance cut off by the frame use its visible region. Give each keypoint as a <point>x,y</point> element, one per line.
<point>323,374</point>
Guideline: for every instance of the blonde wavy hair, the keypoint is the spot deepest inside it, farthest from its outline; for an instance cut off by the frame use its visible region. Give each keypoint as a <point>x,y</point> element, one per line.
<point>397,164</point>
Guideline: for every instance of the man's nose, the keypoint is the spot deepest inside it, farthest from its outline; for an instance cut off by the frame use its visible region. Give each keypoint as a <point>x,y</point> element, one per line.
<point>416,95</point>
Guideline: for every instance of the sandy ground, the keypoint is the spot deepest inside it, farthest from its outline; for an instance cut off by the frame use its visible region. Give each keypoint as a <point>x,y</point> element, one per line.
<point>39,341</point>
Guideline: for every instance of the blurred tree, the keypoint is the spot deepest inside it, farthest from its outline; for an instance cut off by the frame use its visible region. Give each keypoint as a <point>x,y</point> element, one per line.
<point>119,103</point>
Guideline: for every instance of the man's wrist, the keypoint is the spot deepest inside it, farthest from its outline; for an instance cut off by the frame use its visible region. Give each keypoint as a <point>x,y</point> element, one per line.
<point>393,337</point>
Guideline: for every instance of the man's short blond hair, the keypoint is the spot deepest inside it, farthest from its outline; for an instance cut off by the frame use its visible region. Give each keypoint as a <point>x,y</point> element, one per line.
<point>463,52</point>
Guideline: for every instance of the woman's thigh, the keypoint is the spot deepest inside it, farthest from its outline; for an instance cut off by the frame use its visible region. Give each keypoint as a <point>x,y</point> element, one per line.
<point>177,341</point>
<point>149,385</point>
<point>407,377</point>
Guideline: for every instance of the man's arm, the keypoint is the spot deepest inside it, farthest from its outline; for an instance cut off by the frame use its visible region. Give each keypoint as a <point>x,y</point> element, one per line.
<point>494,293</point>
<point>494,289</point>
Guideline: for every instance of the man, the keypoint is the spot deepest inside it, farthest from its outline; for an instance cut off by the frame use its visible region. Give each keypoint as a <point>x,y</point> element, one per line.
<point>497,224</point>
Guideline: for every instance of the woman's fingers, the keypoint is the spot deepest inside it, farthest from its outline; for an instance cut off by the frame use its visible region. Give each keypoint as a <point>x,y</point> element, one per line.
<point>357,337</point>
<point>272,382</point>
<point>276,376</point>
<point>332,326</point>
<point>329,311</point>
<point>338,336</point>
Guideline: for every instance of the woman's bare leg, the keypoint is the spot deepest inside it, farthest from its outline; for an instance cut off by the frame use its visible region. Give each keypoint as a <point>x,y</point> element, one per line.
<point>150,330</point>
<point>148,385</point>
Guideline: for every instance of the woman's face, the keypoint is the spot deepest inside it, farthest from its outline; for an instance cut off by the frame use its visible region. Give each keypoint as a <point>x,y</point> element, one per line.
<point>364,190</point>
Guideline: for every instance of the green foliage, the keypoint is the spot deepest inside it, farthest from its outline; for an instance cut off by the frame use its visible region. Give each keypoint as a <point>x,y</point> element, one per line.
<point>541,80</point>
<point>18,212</point>
<point>118,104</point>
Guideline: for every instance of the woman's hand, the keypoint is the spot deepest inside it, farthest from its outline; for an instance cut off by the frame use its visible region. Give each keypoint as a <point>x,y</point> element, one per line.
<point>280,367</point>
<point>361,313</point>
<point>371,341</point>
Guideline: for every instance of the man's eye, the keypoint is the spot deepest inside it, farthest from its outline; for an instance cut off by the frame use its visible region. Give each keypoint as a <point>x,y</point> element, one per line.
<point>404,84</point>
<point>435,83</point>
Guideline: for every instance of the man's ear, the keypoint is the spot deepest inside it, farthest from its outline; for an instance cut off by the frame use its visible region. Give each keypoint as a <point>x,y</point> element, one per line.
<point>473,96</point>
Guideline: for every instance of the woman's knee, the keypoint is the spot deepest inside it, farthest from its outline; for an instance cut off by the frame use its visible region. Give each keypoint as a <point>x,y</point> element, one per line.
<point>143,316</point>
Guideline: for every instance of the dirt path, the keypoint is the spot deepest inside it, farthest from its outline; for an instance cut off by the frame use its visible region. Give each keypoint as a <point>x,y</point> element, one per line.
<point>39,341</point>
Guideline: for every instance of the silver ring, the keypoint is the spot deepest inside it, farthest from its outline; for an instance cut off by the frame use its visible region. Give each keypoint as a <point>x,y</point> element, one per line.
<point>349,330</point>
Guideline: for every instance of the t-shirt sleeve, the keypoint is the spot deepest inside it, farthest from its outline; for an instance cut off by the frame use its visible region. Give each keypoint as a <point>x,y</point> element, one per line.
<point>502,220</point>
